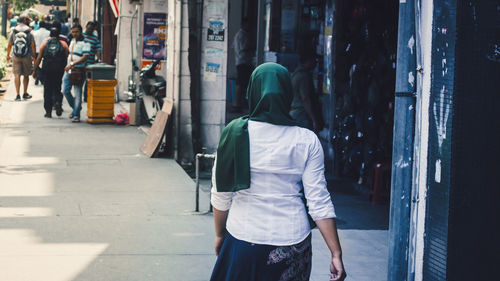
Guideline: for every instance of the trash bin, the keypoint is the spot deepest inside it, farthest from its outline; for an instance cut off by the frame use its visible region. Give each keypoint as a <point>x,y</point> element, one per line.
<point>101,93</point>
<point>101,101</point>
<point>101,71</point>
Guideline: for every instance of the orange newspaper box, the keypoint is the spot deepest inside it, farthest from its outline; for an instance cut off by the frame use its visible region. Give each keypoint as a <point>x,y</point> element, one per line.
<point>101,101</point>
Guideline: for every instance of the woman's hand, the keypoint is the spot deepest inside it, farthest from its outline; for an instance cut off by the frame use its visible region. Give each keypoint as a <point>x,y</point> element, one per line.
<point>337,269</point>
<point>218,244</point>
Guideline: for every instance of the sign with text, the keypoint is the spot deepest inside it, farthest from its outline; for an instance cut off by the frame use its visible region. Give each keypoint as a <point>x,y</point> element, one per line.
<point>215,30</point>
<point>155,36</point>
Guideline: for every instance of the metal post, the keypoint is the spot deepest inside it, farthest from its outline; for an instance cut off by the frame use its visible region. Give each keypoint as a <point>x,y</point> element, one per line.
<point>404,131</point>
<point>261,24</point>
<point>197,208</point>
<point>5,7</point>
<point>197,180</point>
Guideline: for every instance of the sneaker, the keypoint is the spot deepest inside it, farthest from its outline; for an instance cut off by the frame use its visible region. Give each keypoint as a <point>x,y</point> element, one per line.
<point>18,98</point>
<point>76,120</point>
<point>27,96</point>
<point>71,116</point>
<point>48,115</point>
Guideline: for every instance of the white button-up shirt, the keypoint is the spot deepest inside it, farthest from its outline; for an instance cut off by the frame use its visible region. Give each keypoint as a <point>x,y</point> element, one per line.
<point>284,160</point>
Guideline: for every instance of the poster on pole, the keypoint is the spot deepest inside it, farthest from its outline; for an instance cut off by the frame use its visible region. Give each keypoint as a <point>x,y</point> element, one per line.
<point>211,71</point>
<point>215,30</point>
<point>155,36</point>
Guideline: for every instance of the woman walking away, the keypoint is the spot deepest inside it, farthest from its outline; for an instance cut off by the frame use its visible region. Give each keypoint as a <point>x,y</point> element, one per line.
<point>54,53</point>
<point>265,165</point>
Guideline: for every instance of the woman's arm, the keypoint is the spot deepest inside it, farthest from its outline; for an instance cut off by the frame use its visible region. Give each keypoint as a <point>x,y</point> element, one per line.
<point>321,207</point>
<point>221,202</point>
<point>328,229</point>
<point>220,218</point>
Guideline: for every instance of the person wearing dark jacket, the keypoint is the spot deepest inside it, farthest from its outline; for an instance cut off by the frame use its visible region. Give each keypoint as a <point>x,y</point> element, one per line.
<point>54,53</point>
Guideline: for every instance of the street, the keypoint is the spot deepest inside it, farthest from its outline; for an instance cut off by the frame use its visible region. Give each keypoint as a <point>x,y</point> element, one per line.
<point>81,202</point>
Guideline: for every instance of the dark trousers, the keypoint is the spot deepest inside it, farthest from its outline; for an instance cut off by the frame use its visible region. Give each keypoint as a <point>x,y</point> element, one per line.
<point>52,88</point>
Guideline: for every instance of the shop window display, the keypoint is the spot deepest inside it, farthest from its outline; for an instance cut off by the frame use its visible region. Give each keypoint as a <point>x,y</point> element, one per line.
<point>364,42</point>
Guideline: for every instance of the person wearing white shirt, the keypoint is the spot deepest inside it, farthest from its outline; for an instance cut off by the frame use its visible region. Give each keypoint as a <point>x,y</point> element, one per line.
<point>244,52</point>
<point>40,35</point>
<point>265,166</point>
<point>79,50</point>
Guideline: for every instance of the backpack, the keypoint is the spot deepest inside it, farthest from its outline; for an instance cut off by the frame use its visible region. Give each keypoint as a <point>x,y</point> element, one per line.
<point>53,53</point>
<point>21,40</point>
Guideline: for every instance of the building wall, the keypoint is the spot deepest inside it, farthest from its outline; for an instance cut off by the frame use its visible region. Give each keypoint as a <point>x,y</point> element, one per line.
<point>179,79</point>
<point>124,48</point>
<point>213,89</point>
<point>86,11</point>
<point>185,147</point>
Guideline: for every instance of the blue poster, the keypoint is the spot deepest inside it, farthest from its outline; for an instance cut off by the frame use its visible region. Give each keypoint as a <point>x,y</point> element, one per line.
<point>155,36</point>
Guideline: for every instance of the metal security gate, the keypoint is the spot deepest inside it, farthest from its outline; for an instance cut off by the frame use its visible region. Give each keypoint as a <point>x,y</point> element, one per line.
<point>464,140</point>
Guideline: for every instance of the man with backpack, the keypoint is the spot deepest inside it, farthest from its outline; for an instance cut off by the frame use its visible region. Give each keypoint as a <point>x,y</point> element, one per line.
<point>22,45</point>
<point>54,53</point>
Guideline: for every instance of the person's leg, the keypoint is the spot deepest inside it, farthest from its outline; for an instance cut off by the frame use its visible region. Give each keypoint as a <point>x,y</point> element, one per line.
<point>85,90</point>
<point>26,81</point>
<point>48,90</point>
<point>16,70</point>
<point>27,70</point>
<point>78,102</point>
<point>57,92</point>
<point>17,83</point>
<point>37,79</point>
<point>66,89</point>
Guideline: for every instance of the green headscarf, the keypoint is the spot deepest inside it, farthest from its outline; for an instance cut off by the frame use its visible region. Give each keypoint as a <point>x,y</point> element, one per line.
<point>270,96</point>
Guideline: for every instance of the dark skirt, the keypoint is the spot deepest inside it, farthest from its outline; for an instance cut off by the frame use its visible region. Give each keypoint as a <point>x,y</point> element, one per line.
<point>242,261</point>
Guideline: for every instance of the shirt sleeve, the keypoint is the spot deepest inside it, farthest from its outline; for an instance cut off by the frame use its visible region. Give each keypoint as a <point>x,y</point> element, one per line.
<point>220,200</point>
<point>318,198</point>
<point>98,47</point>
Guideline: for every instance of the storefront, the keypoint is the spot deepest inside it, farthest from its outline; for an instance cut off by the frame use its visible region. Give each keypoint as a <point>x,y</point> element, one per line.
<point>354,76</point>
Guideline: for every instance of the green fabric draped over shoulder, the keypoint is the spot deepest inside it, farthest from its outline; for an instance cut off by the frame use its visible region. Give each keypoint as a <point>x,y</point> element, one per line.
<point>269,96</point>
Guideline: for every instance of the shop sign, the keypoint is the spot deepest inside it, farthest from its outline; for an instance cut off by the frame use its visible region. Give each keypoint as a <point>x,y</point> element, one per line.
<point>215,31</point>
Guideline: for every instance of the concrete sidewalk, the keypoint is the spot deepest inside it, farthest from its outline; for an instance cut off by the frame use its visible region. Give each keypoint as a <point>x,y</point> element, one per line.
<point>80,202</point>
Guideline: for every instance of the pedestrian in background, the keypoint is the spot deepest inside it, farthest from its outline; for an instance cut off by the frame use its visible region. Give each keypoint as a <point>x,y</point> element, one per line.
<point>40,35</point>
<point>62,35</point>
<point>22,45</point>
<point>13,21</point>
<point>35,24</point>
<point>244,52</point>
<point>306,107</point>
<point>54,54</point>
<point>91,36</point>
<point>265,164</point>
<point>74,73</point>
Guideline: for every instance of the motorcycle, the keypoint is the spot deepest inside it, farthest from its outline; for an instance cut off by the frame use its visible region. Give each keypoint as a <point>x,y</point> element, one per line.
<point>152,92</point>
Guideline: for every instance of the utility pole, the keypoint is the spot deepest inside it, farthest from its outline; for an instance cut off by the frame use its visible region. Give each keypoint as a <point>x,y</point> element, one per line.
<point>5,7</point>
<point>404,132</point>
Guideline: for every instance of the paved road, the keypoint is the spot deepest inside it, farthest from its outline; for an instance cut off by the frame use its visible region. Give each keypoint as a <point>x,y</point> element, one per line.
<point>80,202</point>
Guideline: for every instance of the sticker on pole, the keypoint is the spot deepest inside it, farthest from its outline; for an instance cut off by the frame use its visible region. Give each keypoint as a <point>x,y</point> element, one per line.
<point>215,31</point>
<point>211,71</point>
